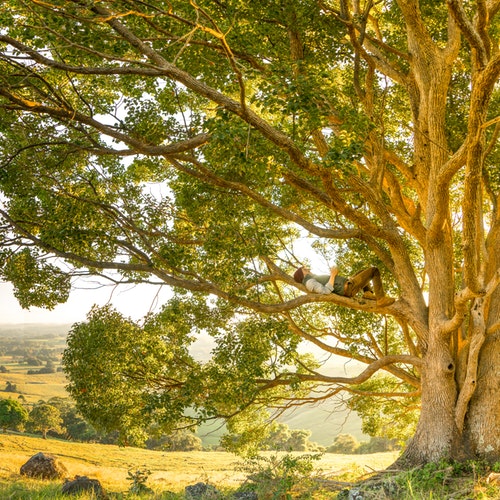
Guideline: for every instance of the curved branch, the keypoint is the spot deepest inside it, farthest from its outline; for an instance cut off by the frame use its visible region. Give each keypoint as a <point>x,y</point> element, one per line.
<point>362,377</point>
<point>462,300</point>
<point>204,286</point>
<point>374,56</point>
<point>70,115</point>
<point>466,27</point>
<point>143,68</point>
<point>461,307</point>
<point>206,175</point>
<point>397,372</point>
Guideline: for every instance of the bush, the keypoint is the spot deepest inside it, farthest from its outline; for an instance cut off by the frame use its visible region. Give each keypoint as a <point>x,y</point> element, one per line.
<point>377,445</point>
<point>278,476</point>
<point>345,444</point>
<point>178,441</point>
<point>282,438</point>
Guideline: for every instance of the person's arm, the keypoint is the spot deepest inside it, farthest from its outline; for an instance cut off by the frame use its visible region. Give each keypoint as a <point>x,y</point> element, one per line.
<point>334,270</point>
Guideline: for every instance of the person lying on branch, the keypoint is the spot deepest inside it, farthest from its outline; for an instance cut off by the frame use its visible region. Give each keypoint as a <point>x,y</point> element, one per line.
<point>347,287</point>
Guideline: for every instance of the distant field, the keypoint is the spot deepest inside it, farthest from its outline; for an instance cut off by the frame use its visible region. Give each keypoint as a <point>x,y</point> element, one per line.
<point>32,387</point>
<point>170,471</point>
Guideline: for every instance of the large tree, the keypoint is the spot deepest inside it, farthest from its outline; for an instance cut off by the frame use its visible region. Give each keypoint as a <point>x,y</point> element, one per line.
<point>190,143</point>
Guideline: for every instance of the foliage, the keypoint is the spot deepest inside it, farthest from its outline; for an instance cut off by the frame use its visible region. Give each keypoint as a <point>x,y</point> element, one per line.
<point>138,479</point>
<point>282,438</point>
<point>13,415</point>
<point>73,425</point>
<point>393,417</point>
<point>344,443</point>
<point>44,418</point>
<point>117,369</point>
<point>378,444</point>
<point>48,368</point>
<point>348,444</point>
<point>10,387</point>
<point>445,478</point>
<point>208,146</point>
<point>177,441</point>
<point>277,476</point>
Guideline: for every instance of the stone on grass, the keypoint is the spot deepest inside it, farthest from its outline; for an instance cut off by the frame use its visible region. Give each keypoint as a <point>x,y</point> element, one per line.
<point>202,491</point>
<point>83,484</point>
<point>245,495</point>
<point>43,466</point>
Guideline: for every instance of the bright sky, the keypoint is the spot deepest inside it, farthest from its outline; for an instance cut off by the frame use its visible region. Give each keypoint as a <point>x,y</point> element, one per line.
<point>134,302</point>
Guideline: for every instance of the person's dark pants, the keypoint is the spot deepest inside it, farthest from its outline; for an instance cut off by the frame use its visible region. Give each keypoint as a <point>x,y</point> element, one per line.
<point>361,281</point>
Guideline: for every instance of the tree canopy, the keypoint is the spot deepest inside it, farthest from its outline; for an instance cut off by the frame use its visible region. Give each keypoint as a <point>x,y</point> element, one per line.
<point>193,144</point>
<point>13,415</point>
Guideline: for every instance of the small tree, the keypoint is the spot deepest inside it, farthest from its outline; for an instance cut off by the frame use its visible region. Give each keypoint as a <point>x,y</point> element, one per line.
<point>377,445</point>
<point>74,426</point>
<point>344,443</point>
<point>181,441</point>
<point>279,437</point>
<point>10,387</point>
<point>44,418</point>
<point>12,414</point>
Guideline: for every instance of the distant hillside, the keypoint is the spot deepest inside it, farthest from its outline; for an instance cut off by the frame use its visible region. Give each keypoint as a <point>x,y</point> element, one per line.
<point>33,330</point>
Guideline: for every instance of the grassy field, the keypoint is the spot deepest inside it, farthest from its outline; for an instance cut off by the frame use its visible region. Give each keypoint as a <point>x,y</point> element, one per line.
<point>171,471</point>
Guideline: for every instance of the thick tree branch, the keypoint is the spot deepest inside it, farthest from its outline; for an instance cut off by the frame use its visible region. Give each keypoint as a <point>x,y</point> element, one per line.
<point>473,37</point>
<point>286,379</point>
<point>69,115</point>
<point>396,371</point>
<point>477,338</point>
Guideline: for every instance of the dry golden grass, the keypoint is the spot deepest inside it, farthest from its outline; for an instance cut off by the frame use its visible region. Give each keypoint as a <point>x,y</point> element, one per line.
<point>32,387</point>
<point>169,470</point>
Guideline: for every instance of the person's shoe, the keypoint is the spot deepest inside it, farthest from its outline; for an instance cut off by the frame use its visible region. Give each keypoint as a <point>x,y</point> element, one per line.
<point>385,301</point>
<point>369,295</point>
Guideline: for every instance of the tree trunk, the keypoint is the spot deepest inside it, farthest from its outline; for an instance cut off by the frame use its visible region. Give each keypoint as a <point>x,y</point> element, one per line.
<point>437,435</point>
<point>483,418</point>
<point>482,424</point>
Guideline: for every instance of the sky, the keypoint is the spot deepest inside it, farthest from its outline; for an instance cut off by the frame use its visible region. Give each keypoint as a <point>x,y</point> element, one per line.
<point>134,302</point>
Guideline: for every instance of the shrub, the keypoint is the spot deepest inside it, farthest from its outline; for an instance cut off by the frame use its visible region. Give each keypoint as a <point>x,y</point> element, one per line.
<point>344,443</point>
<point>277,476</point>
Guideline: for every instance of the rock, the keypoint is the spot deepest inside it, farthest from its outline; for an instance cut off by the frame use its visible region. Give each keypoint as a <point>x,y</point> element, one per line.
<point>201,491</point>
<point>83,484</point>
<point>246,495</point>
<point>356,495</point>
<point>43,466</point>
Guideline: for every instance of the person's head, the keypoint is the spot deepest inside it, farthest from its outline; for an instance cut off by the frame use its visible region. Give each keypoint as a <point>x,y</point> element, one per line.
<point>300,273</point>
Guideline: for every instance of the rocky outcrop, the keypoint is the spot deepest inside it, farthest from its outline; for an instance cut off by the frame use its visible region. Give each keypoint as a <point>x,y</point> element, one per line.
<point>43,466</point>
